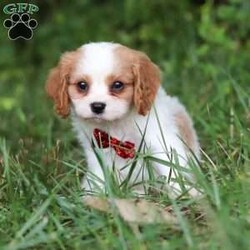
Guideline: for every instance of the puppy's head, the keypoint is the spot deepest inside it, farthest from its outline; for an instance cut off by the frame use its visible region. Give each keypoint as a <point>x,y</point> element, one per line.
<point>103,82</point>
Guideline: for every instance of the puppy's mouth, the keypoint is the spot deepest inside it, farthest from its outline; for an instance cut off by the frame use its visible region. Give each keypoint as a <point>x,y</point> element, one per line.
<point>96,118</point>
<point>99,119</point>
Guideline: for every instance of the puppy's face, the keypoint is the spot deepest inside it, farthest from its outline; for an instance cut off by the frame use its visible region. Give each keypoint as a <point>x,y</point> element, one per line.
<point>103,82</point>
<point>101,86</point>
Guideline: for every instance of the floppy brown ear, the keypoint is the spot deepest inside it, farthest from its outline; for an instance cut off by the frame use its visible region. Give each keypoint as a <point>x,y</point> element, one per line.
<point>57,83</point>
<point>147,82</point>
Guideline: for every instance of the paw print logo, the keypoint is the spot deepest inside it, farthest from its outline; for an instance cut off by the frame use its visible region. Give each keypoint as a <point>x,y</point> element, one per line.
<point>20,26</point>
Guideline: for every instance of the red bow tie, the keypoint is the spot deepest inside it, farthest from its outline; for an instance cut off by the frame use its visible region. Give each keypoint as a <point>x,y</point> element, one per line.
<point>123,149</point>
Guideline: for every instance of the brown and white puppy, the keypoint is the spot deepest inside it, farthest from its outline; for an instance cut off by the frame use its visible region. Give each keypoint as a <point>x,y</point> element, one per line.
<point>114,97</point>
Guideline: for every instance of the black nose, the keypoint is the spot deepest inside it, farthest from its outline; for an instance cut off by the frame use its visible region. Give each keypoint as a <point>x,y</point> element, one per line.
<point>97,107</point>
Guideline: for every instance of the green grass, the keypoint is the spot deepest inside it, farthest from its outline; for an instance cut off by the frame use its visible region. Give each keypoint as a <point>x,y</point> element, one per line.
<point>204,53</point>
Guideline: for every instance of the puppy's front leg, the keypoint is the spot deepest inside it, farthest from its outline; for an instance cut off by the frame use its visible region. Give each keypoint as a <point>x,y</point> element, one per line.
<point>94,180</point>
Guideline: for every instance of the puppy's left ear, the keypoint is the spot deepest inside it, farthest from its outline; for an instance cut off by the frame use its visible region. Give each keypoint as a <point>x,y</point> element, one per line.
<point>147,82</point>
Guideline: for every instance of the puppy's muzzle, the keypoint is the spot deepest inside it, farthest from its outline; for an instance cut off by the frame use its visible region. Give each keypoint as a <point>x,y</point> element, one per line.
<point>97,107</point>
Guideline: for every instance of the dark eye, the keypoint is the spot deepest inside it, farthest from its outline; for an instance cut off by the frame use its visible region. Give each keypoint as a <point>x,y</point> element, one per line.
<point>117,86</point>
<point>82,86</point>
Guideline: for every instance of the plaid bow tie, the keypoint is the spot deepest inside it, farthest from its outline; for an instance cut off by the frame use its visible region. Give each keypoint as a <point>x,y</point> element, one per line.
<point>123,149</point>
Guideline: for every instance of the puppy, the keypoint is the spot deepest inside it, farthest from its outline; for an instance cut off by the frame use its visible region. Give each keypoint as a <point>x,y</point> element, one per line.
<point>124,120</point>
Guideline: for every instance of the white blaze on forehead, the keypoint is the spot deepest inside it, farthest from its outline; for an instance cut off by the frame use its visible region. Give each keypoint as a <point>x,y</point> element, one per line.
<point>97,60</point>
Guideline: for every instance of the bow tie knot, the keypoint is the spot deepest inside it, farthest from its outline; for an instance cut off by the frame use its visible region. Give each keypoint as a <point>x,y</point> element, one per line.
<point>124,149</point>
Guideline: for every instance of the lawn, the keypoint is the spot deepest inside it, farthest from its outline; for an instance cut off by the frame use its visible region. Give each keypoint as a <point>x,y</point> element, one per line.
<point>203,50</point>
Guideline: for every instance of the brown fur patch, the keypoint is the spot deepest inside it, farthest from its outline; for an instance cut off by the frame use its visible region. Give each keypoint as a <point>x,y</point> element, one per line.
<point>186,130</point>
<point>58,81</point>
<point>146,76</point>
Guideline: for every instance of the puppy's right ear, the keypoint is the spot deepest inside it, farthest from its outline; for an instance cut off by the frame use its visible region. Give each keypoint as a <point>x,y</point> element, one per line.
<point>57,83</point>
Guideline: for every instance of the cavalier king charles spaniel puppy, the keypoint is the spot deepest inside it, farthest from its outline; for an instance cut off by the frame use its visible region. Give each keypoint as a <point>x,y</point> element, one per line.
<point>123,118</point>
